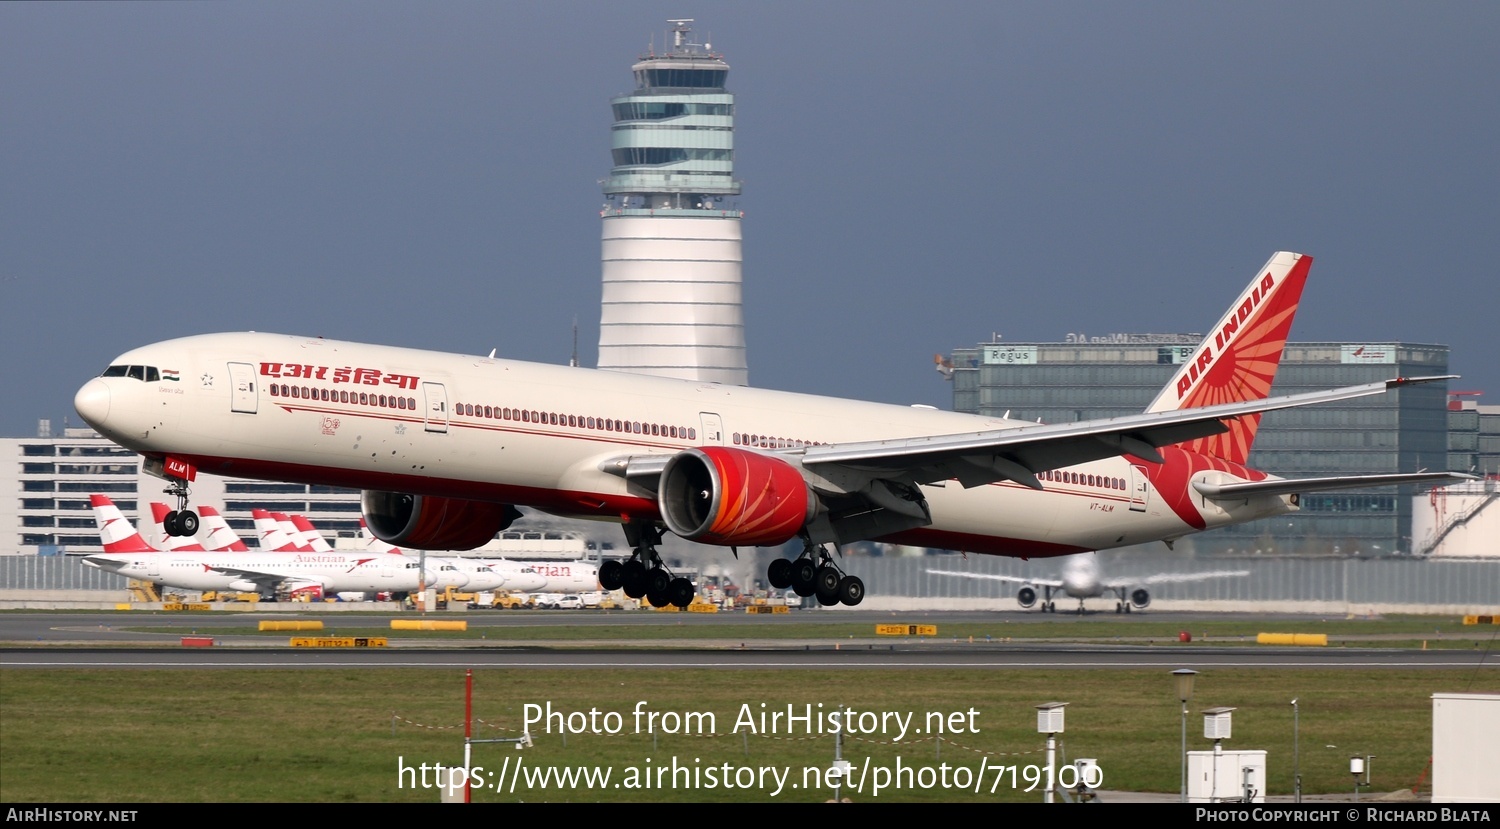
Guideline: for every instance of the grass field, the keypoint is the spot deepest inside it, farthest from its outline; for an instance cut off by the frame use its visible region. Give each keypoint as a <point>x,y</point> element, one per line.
<point>340,735</point>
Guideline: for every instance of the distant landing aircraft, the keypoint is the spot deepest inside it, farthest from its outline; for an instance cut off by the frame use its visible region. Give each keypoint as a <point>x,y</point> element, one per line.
<point>1082,579</point>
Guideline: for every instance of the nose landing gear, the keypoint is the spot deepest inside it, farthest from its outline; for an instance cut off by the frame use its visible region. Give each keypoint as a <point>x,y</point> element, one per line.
<point>181,521</point>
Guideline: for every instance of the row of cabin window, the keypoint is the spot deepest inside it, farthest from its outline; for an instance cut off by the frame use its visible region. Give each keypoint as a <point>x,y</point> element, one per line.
<point>341,396</point>
<point>771,443</point>
<point>1082,479</point>
<point>576,421</point>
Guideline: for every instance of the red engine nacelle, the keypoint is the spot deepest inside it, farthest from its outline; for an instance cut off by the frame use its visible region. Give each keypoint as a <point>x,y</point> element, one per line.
<point>728,496</point>
<point>424,522</point>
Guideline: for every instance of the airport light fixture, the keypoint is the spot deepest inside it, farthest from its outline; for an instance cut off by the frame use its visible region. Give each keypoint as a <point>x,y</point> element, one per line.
<point>1182,680</point>
<point>1049,721</point>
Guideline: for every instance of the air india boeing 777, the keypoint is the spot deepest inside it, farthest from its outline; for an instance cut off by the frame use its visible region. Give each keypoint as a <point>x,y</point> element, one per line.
<point>447,446</point>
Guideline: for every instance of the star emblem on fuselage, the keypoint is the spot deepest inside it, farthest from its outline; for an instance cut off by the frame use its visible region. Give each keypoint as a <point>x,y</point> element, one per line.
<point>208,380</point>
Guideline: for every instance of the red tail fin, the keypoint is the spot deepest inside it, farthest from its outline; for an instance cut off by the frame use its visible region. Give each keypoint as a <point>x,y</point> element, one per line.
<point>1238,359</point>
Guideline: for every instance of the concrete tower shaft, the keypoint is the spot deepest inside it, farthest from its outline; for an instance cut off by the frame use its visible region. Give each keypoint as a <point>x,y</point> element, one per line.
<point>672,252</point>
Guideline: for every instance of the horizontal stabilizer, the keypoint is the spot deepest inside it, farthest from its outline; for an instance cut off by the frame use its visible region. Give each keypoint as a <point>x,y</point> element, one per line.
<point>1277,486</point>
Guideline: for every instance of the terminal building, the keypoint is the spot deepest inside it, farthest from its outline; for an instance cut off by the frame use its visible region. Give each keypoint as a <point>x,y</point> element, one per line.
<point>1407,430</point>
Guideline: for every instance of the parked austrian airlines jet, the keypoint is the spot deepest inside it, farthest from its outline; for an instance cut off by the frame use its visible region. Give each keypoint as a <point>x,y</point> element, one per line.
<point>446,446</point>
<point>1081,580</point>
<point>127,553</point>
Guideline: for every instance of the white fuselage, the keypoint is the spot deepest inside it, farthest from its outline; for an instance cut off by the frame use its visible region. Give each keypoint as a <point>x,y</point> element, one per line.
<point>334,572</point>
<point>1080,578</point>
<point>401,420</point>
<point>549,576</point>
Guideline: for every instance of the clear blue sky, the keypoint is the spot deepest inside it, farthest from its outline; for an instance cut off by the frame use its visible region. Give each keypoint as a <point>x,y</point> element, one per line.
<point>916,176</point>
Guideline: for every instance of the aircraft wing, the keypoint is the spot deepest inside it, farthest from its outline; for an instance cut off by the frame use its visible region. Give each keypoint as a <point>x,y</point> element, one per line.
<point>1282,486</point>
<point>258,576</point>
<point>1011,579</point>
<point>1174,578</point>
<point>1019,453</point>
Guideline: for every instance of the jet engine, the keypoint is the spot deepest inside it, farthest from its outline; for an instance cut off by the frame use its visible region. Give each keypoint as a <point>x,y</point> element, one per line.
<point>424,522</point>
<point>728,496</point>
<point>1139,597</point>
<point>1026,597</point>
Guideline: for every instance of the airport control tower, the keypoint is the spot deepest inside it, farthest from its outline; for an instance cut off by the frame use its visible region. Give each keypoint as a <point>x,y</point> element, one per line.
<point>672,248</point>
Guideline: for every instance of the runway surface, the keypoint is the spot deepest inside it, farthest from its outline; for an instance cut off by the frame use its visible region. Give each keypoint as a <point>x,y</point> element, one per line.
<point>729,641</point>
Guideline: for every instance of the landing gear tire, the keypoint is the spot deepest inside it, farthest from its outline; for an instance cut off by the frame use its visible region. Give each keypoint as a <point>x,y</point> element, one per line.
<point>780,574</point>
<point>804,574</point>
<point>1127,606</point>
<point>187,523</point>
<point>169,524</point>
<point>828,581</point>
<point>851,590</point>
<point>633,579</point>
<point>826,600</point>
<point>658,599</point>
<point>658,581</point>
<point>1119,607</point>
<point>611,575</point>
<point>680,592</point>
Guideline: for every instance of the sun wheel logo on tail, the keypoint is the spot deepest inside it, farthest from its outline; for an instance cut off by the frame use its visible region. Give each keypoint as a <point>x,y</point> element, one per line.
<point>1238,361</point>
<point>727,496</point>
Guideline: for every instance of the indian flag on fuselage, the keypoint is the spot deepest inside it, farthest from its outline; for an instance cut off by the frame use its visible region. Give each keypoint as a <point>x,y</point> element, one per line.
<point>1238,358</point>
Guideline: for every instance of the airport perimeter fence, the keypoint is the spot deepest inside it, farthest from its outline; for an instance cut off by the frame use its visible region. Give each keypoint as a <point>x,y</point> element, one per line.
<point>55,573</point>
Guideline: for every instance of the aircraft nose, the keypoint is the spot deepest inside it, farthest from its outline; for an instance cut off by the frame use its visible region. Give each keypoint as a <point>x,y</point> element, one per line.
<point>92,402</point>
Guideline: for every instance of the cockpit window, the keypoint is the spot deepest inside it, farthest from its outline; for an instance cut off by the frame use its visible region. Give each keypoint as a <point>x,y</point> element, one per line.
<point>146,374</point>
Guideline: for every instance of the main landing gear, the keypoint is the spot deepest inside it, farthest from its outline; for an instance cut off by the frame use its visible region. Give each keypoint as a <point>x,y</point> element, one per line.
<point>814,574</point>
<point>181,521</point>
<point>643,574</point>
